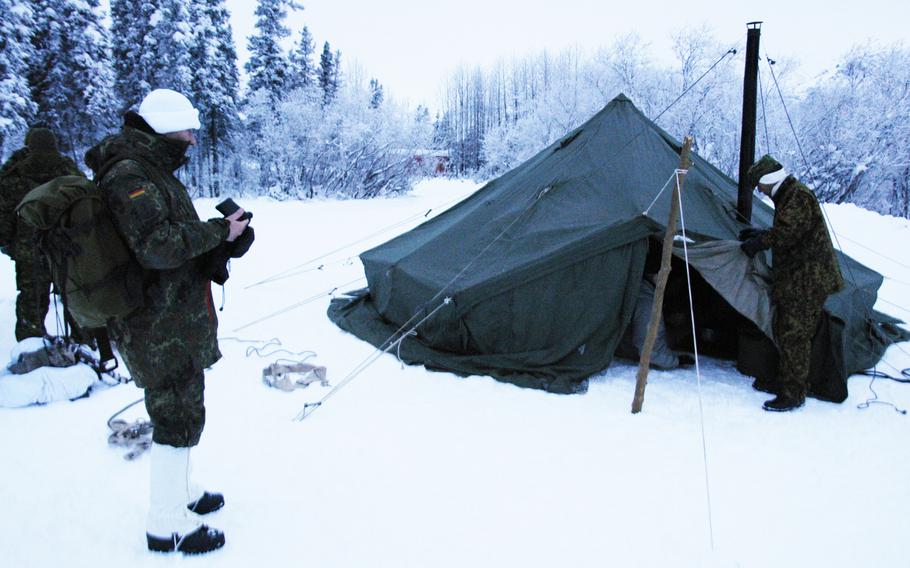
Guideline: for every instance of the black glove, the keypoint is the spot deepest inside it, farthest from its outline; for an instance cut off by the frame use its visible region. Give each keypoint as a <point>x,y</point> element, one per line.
<point>242,243</point>
<point>747,234</point>
<point>753,245</point>
<point>217,263</point>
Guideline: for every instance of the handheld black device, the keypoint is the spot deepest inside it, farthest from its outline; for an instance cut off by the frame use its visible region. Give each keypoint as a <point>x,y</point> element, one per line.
<point>228,207</point>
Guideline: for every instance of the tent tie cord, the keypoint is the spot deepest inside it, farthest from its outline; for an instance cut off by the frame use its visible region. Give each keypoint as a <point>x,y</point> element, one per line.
<point>546,189</point>
<point>674,175</point>
<point>874,373</point>
<point>295,270</point>
<point>311,407</point>
<point>257,350</point>
<point>731,51</point>
<point>296,305</point>
<point>411,333</point>
<point>764,112</point>
<point>701,411</point>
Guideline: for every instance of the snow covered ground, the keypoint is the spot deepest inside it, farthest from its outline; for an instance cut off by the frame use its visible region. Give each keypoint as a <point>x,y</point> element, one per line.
<point>404,467</point>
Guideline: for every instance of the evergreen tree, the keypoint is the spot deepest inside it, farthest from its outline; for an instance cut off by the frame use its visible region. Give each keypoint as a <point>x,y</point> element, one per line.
<point>268,67</point>
<point>336,73</point>
<point>327,75</point>
<point>376,94</point>
<point>16,52</point>
<point>168,47</point>
<point>303,75</point>
<point>129,28</point>
<point>142,69</point>
<point>215,88</point>
<point>72,79</point>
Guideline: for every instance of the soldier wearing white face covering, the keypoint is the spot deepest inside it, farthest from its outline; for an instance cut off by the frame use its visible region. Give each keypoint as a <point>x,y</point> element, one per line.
<point>805,272</point>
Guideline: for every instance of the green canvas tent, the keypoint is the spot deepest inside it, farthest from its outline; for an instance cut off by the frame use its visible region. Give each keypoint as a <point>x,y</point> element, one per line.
<point>542,267</point>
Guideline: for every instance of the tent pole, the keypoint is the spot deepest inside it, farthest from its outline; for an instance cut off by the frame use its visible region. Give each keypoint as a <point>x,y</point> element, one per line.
<point>661,284</point>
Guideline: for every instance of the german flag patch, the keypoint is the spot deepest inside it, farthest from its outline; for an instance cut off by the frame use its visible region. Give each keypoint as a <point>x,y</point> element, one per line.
<point>137,193</point>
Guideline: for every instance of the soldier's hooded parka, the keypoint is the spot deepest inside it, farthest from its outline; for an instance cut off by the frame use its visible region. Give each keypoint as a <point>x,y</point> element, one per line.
<point>804,259</point>
<point>805,272</point>
<point>175,333</point>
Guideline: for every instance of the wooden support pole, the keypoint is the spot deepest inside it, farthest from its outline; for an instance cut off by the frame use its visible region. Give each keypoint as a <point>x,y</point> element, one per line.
<point>661,284</point>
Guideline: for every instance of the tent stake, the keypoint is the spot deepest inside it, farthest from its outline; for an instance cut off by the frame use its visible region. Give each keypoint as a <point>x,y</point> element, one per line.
<point>661,284</point>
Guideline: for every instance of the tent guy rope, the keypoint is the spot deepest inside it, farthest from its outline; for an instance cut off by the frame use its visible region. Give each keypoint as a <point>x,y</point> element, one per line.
<point>311,407</point>
<point>701,409</point>
<point>300,268</point>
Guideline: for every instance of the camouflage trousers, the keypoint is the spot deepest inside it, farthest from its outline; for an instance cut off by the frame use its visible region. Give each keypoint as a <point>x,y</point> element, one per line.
<point>795,324</point>
<point>34,284</point>
<point>177,409</point>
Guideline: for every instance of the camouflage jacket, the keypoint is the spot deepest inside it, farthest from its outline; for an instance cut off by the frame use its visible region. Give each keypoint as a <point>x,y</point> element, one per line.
<point>23,172</point>
<point>174,333</point>
<point>804,261</point>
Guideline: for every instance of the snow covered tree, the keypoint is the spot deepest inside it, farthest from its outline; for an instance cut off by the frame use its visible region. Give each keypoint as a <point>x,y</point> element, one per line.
<point>303,148</point>
<point>130,26</point>
<point>268,67</point>
<point>856,131</point>
<point>302,72</point>
<point>71,78</point>
<point>16,52</point>
<point>165,57</point>
<point>327,75</point>
<point>375,93</point>
<point>336,72</point>
<point>214,91</point>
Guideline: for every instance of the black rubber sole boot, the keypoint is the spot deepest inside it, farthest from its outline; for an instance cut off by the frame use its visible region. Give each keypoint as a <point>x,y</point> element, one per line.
<point>783,403</point>
<point>208,503</point>
<point>202,540</point>
<point>764,387</point>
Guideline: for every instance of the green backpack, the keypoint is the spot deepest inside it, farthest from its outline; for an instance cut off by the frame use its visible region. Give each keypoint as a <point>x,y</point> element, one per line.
<point>91,266</point>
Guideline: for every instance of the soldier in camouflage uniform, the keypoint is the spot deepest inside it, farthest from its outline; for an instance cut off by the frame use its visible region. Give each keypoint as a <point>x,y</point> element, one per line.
<point>168,342</point>
<point>805,272</point>
<point>27,168</point>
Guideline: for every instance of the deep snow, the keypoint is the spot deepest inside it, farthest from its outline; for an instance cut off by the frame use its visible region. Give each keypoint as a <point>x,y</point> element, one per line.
<point>404,467</point>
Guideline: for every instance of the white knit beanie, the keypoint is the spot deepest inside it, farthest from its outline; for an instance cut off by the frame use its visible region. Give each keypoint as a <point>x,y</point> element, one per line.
<point>168,111</point>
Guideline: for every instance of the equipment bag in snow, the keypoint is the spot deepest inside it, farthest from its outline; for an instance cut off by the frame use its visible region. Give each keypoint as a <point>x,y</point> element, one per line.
<point>92,267</point>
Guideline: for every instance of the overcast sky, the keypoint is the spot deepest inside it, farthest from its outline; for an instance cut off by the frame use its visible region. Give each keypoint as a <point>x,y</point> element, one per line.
<point>412,46</point>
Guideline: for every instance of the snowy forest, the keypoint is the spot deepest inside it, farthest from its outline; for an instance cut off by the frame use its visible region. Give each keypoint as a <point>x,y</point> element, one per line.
<point>305,123</point>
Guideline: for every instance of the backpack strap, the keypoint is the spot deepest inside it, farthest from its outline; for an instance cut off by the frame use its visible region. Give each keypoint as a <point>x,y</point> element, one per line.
<point>105,351</point>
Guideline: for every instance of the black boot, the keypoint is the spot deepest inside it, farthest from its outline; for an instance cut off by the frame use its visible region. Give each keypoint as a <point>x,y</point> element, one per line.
<point>783,403</point>
<point>202,540</point>
<point>763,386</point>
<point>208,503</point>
